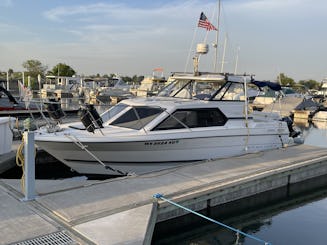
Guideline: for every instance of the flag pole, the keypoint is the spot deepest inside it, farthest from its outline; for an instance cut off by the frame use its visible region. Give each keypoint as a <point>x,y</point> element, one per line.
<point>217,37</point>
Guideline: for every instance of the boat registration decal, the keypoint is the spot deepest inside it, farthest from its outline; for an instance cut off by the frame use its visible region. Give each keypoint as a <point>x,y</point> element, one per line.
<point>162,142</point>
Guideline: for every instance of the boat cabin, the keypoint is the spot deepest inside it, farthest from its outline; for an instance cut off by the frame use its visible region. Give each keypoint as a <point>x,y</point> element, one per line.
<point>170,111</point>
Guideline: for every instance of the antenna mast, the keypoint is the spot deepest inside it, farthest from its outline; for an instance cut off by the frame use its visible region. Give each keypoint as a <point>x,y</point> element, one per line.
<point>223,58</point>
<point>217,38</point>
<point>236,61</point>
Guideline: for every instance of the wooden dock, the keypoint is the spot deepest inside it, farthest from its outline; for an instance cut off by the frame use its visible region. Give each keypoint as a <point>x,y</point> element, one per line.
<point>123,211</point>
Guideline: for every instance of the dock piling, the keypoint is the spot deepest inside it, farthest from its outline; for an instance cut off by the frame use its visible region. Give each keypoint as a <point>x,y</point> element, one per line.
<point>29,166</point>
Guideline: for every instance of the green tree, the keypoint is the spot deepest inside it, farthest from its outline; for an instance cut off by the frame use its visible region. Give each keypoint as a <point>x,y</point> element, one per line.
<point>127,79</point>
<point>17,75</point>
<point>10,72</point>
<point>34,68</point>
<point>62,69</point>
<point>3,75</point>
<point>285,80</point>
<point>310,84</point>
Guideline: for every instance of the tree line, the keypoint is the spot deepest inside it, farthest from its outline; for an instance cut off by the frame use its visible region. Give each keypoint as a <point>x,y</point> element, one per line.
<point>34,68</point>
<point>302,85</point>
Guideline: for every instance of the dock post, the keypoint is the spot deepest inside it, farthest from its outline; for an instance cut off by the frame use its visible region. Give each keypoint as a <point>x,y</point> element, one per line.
<point>29,167</point>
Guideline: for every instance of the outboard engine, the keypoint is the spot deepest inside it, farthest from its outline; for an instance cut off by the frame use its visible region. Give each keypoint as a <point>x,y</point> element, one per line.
<point>90,118</point>
<point>289,122</point>
<point>54,109</point>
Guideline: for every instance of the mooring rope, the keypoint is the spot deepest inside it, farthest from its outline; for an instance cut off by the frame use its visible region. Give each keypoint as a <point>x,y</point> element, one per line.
<point>160,196</point>
<point>84,147</point>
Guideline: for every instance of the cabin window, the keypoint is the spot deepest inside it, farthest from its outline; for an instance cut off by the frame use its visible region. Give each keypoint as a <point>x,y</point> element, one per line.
<point>137,117</point>
<point>193,118</point>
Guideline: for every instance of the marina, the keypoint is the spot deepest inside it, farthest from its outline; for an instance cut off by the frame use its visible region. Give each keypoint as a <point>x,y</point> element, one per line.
<point>97,212</point>
<point>196,157</point>
<point>195,147</point>
<point>198,146</point>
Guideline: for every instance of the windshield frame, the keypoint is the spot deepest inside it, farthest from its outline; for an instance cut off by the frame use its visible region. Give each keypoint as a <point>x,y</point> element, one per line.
<point>136,117</point>
<point>190,88</point>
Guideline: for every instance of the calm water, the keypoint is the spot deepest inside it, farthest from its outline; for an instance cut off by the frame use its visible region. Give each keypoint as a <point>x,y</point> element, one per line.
<point>300,219</point>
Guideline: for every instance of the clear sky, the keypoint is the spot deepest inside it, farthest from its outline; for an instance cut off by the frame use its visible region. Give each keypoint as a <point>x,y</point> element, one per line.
<point>133,37</point>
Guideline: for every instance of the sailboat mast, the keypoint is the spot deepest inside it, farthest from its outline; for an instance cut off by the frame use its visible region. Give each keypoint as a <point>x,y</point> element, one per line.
<point>236,61</point>
<point>217,38</point>
<point>224,52</point>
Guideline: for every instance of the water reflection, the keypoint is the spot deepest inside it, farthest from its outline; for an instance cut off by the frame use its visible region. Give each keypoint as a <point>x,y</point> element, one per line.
<point>299,218</point>
<point>315,133</point>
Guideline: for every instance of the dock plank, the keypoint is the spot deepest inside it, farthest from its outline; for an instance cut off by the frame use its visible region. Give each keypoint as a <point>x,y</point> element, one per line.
<point>127,227</point>
<point>18,222</point>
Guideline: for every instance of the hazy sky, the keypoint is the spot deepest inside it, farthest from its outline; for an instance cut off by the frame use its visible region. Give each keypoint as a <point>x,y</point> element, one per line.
<point>133,37</point>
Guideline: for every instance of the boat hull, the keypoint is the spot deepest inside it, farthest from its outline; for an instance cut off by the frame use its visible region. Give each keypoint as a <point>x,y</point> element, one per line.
<point>147,156</point>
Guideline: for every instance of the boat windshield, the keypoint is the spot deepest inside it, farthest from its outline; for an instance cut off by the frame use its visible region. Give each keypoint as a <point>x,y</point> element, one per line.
<point>190,89</point>
<point>136,117</point>
<point>231,91</point>
<point>113,111</point>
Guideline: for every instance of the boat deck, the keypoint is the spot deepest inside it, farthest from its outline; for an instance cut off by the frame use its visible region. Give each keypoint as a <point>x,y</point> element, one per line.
<point>123,211</point>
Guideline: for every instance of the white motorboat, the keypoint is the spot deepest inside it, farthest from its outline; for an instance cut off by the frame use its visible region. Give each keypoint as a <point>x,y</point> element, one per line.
<point>197,117</point>
<point>60,87</point>
<point>267,99</point>
<point>151,85</point>
<point>105,91</point>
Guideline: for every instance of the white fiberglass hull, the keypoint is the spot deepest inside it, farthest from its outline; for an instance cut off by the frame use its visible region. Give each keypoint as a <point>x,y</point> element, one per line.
<point>142,156</point>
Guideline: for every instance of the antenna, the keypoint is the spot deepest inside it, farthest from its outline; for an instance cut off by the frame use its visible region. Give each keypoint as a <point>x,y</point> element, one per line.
<point>201,48</point>
<point>217,38</point>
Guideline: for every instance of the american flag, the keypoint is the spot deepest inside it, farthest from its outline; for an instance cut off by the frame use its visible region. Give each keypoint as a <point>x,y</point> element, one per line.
<point>204,23</point>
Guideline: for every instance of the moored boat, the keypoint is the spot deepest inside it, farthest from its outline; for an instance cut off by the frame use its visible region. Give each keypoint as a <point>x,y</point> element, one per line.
<point>194,118</point>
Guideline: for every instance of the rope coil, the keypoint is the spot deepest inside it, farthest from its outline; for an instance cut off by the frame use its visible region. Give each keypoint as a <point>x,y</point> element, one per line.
<point>20,162</point>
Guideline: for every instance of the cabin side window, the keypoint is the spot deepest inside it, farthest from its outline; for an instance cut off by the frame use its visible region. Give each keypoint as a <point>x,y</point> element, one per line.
<point>137,117</point>
<point>193,118</point>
